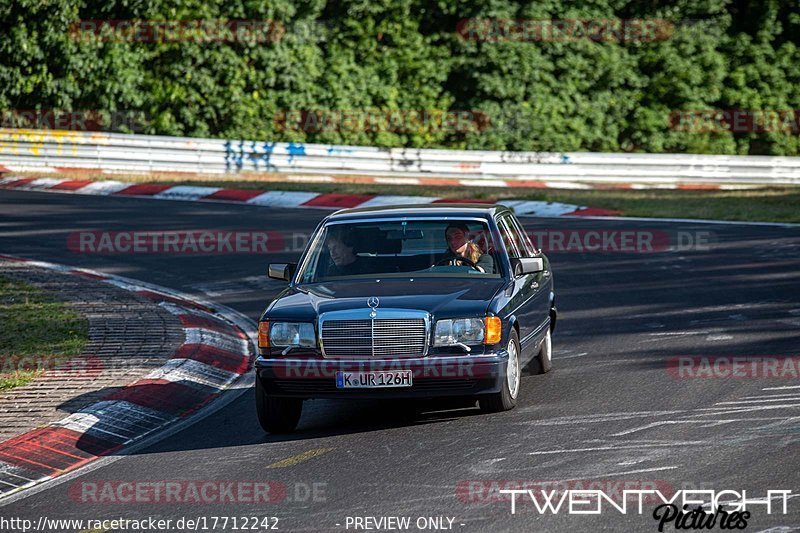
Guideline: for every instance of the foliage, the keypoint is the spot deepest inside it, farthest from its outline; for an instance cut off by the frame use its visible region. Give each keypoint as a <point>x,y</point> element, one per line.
<point>396,67</point>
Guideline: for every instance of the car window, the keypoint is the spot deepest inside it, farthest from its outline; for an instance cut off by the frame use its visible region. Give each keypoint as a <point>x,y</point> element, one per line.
<point>523,238</point>
<point>389,248</point>
<point>510,237</point>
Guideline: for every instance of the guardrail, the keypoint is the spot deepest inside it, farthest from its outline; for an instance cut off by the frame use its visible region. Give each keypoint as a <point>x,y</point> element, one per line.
<point>44,150</point>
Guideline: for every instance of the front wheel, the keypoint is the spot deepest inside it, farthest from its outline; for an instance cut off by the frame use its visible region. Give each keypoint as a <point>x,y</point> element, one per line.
<point>277,415</point>
<point>506,399</point>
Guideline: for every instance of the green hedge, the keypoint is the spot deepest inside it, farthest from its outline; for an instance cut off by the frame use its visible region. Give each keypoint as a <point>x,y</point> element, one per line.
<point>388,59</point>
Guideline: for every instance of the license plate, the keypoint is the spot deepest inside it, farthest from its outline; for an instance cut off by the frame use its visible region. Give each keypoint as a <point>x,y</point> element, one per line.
<point>373,380</point>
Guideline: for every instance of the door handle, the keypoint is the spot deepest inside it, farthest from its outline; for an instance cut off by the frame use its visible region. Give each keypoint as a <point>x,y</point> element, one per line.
<point>535,285</point>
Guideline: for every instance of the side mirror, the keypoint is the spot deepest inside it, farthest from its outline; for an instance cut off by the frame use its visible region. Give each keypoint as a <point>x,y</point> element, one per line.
<point>281,271</point>
<point>527,265</point>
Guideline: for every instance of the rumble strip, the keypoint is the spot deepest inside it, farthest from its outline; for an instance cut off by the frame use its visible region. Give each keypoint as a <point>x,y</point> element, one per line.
<point>280,199</point>
<point>216,353</point>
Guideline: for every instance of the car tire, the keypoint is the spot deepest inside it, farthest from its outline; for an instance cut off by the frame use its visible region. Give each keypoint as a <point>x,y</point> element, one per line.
<point>506,399</point>
<point>543,362</point>
<point>277,415</point>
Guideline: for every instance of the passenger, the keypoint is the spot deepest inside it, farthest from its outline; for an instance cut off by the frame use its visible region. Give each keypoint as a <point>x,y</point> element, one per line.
<point>462,251</point>
<point>344,262</point>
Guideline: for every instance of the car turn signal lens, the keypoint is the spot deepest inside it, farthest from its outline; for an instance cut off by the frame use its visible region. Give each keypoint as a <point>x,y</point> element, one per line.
<point>494,330</point>
<point>263,334</point>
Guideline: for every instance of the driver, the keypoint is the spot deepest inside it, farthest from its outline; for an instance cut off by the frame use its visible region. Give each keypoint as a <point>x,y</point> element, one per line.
<point>344,262</point>
<point>461,251</point>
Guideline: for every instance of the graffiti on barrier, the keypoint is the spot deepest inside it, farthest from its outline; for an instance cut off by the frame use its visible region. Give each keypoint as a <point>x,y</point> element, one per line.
<point>35,142</point>
<point>258,156</point>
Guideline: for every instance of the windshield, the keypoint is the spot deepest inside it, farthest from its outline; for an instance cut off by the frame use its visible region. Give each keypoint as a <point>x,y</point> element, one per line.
<point>396,248</point>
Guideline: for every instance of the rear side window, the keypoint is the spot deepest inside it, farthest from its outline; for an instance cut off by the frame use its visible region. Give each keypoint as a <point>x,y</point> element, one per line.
<point>517,241</point>
<point>524,238</point>
<point>510,237</point>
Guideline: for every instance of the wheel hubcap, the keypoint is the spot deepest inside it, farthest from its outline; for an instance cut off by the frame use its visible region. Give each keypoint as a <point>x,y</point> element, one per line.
<point>548,347</point>
<point>512,369</point>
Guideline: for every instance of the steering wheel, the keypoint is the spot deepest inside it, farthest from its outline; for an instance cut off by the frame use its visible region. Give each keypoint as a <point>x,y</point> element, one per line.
<point>445,260</point>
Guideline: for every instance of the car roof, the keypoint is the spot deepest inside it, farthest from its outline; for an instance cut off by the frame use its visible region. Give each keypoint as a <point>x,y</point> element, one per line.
<point>426,210</point>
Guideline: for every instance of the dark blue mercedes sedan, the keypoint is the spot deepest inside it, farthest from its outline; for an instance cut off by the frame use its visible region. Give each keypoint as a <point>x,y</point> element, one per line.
<point>407,301</point>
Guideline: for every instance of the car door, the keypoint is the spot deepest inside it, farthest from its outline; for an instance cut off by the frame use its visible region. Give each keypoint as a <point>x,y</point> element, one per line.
<point>531,290</point>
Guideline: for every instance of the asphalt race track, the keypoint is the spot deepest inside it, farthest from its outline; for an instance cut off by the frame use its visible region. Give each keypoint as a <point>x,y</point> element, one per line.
<point>611,411</point>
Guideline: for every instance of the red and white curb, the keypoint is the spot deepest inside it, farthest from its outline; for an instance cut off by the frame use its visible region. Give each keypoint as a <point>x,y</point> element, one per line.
<point>519,182</point>
<point>216,353</point>
<point>280,199</point>
<point>515,183</point>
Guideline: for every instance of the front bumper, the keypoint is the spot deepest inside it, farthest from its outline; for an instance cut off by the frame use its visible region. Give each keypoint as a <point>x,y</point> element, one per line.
<point>433,377</point>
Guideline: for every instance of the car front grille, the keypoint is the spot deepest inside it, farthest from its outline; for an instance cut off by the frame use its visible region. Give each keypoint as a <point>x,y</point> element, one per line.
<point>378,337</point>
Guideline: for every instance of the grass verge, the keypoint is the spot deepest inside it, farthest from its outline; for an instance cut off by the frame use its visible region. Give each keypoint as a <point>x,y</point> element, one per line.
<point>36,332</point>
<point>770,204</point>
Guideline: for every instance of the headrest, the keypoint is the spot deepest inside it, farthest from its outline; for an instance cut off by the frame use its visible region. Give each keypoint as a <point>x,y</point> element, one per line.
<point>374,241</point>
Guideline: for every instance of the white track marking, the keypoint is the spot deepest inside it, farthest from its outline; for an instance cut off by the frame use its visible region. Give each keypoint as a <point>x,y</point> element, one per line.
<point>566,185</point>
<point>14,471</point>
<point>216,339</point>
<point>787,396</point>
<point>625,447</point>
<point>715,338</point>
<point>652,425</point>
<point>678,333</point>
<point>597,419</point>
<point>103,188</point>
<point>282,198</point>
<point>189,371</point>
<point>751,402</point>
<point>482,183</point>
<point>41,183</point>
<point>398,181</point>
<point>311,179</point>
<point>394,200</point>
<point>733,410</point>
<point>538,208</point>
<point>561,357</point>
<point>640,471</point>
<point>186,192</point>
<point>118,420</point>
<point>128,286</point>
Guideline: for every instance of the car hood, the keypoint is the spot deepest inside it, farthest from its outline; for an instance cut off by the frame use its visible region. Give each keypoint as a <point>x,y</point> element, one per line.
<point>442,297</point>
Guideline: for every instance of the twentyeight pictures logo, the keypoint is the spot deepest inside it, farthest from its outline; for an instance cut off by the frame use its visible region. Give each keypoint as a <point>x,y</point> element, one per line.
<point>684,509</point>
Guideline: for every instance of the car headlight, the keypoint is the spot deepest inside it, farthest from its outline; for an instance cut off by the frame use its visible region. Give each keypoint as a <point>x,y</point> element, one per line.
<point>292,334</point>
<point>460,330</point>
